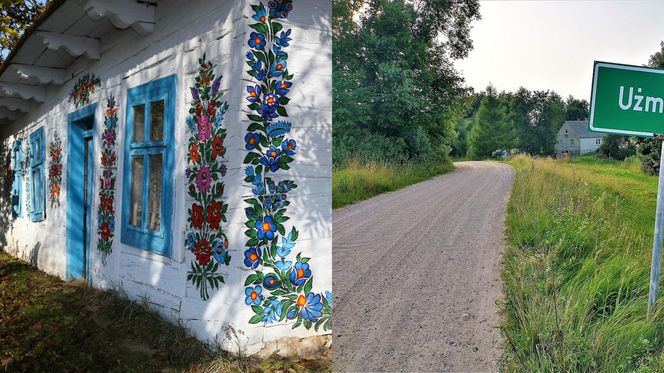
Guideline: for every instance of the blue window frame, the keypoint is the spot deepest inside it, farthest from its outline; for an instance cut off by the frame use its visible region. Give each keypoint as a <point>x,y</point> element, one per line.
<point>17,182</point>
<point>149,150</point>
<point>37,195</point>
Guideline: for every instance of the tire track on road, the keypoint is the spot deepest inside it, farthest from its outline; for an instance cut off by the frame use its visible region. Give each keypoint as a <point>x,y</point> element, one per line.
<point>416,274</point>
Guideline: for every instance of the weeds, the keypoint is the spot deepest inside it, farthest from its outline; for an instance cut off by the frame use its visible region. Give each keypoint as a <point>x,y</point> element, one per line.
<point>576,268</point>
<point>357,181</point>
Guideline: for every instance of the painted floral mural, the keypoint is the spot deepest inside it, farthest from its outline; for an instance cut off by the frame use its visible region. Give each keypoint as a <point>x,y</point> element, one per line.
<point>106,218</point>
<point>55,170</point>
<point>83,89</point>
<point>7,174</point>
<point>26,176</point>
<point>280,287</point>
<point>206,169</point>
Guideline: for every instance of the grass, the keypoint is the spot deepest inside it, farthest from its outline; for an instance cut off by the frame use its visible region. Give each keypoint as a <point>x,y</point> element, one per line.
<point>48,325</point>
<point>358,181</point>
<point>577,267</point>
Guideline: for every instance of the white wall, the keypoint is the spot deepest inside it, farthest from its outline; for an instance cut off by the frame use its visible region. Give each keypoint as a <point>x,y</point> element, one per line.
<point>564,144</point>
<point>589,145</point>
<point>184,30</point>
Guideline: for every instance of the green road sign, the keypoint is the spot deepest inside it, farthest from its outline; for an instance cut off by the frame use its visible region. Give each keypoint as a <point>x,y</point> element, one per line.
<point>627,100</point>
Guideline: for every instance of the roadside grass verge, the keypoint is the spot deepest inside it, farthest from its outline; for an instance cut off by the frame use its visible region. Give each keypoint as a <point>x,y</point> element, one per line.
<point>358,181</point>
<point>576,268</point>
<point>47,325</point>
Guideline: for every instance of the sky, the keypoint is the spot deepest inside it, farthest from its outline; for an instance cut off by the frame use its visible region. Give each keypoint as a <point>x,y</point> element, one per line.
<point>551,45</point>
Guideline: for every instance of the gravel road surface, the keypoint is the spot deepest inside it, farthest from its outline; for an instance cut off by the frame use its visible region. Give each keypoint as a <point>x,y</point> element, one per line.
<point>417,274</point>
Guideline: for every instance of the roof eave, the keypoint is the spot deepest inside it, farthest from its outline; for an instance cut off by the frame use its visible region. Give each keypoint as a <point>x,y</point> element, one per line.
<point>50,8</point>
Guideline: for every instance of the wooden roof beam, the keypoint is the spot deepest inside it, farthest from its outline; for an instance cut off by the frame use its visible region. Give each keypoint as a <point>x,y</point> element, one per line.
<point>74,45</point>
<point>7,114</point>
<point>24,91</point>
<point>123,13</point>
<point>15,104</point>
<point>44,75</point>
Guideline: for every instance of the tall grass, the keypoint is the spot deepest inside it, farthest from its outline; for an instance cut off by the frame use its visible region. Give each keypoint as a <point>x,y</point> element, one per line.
<point>577,266</point>
<point>357,181</point>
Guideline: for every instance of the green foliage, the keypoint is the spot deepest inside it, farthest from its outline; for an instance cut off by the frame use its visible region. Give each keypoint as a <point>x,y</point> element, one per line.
<point>576,109</point>
<point>15,17</point>
<point>576,268</point>
<point>396,95</point>
<point>490,131</point>
<point>648,148</point>
<point>526,121</point>
<point>617,147</point>
<point>462,127</point>
<point>539,124</point>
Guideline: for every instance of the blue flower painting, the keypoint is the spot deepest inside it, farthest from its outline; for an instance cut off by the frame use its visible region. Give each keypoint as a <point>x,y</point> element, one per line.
<point>279,289</point>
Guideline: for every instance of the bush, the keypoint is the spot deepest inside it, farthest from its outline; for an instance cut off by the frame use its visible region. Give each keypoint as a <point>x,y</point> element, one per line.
<point>649,150</point>
<point>368,147</point>
<point>617,147</point>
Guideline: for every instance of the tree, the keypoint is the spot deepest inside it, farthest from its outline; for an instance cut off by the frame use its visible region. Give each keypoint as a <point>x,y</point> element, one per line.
<point>394,85</point>
<point>15,17</point>
<point>547,117</point>
<point>536,118</point>
<point>489,131</point>
<point>576,109</point>
<point>617,147</point>
<point>463,126</point>
<point>520,107</point>
<point>648,149</point>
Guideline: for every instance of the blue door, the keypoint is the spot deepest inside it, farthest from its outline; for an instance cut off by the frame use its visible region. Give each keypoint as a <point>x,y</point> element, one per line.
<point>80,182</point>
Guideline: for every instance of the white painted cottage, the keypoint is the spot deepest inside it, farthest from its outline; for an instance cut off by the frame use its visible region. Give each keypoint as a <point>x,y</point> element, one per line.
<point>575,138</point>
<point>179,150</point>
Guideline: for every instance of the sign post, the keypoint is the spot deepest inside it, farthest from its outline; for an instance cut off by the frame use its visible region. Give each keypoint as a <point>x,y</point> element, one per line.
<point>657,240</point>
<point>629,100</point>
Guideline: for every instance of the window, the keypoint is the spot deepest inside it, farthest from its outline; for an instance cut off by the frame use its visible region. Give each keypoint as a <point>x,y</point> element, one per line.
<point>17,182</point>
<point>148,166</point>
<point>37,195</point>
<point>571,141</point>
<point>565,131</point>
<point>598,141</point>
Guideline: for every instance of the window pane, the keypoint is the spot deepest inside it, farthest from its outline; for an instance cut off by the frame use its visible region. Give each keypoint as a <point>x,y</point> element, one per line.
<point>136,202</point>
<point>139,123</point>
<point>39,193</point>
<point>34,190</point>
<point>157,121</point>
<point>36,151</point>
<point>156,182</point>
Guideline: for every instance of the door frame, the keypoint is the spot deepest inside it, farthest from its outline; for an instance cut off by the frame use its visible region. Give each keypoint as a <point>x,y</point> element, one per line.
<point>75,138</point>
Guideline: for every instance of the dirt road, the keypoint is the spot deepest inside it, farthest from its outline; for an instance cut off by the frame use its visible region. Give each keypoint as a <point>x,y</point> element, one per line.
<point>417,274</point>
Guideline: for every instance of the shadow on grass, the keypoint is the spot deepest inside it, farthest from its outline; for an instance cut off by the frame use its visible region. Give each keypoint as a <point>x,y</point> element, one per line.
<point>49,325</point>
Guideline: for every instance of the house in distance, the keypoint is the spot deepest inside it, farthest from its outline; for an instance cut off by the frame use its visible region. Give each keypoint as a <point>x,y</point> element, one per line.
<point>575,138</point>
